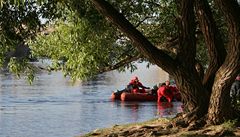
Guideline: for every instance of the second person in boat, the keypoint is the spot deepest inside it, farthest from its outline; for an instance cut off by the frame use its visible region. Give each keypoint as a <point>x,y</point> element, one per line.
<point>135,86</point>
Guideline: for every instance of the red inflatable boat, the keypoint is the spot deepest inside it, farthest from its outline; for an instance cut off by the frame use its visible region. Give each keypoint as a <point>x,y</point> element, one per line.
<point>125,96</point>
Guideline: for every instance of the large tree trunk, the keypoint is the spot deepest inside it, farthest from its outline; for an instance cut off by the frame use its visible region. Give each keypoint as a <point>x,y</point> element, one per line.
<point>219,109</point>
<point>193,93</point>
<point>187,78</point>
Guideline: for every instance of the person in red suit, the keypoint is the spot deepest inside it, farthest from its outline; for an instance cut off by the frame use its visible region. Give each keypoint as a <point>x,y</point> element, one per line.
<point>175,91</point>
<point>135,86</point>
<point>165,93</point>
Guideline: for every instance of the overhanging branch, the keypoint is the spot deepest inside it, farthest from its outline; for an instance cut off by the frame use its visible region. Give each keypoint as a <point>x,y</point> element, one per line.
<point>121,63</point>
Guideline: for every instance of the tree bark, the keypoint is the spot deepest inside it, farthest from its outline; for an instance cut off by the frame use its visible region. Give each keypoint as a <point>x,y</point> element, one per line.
<point>187,39</point>
<point>213,40</point>
<point>187,76</point>
<point>193,92</point>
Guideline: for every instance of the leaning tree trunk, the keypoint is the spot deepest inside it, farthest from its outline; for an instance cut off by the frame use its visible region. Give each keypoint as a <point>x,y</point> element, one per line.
<point>219,109</point>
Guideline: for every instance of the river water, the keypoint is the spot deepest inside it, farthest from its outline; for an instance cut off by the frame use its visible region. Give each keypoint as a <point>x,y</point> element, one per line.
<point>55,107</point>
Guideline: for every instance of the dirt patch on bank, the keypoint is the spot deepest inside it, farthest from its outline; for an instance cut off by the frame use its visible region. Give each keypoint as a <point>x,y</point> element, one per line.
<point>158,127</point>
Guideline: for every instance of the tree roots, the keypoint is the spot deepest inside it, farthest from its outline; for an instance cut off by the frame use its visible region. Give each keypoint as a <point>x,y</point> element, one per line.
<point>190,121</point>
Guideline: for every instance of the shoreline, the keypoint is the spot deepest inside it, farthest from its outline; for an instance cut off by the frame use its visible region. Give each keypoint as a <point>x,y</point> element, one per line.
<point>159,127</point>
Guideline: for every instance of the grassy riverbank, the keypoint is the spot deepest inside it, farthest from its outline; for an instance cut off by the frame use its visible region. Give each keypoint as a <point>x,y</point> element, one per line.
<point>158,127</point>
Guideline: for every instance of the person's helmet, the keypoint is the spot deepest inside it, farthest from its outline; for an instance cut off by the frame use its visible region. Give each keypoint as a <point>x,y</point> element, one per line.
<point>135,78</point>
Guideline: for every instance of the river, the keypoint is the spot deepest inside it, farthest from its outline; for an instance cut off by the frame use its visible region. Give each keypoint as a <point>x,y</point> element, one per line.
<point>55,107</point>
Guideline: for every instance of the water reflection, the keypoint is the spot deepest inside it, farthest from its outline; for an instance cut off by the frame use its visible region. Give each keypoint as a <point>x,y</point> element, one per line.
<point>166,109</point>
<point>133,108</point>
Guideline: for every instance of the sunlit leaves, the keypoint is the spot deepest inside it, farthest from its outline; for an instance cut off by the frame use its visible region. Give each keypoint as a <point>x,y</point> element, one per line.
<point>21,2</point>
<point>78,48</point>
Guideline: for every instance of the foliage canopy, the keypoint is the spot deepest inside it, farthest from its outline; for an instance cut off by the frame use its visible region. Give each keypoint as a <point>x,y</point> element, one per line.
<point>82,40</point>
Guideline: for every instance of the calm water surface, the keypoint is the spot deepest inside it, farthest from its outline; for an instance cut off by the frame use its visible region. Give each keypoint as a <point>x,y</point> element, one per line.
<point>54,107</point>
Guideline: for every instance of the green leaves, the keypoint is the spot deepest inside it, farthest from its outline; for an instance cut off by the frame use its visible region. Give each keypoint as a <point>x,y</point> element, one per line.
<point>18,67</point>
<point>20,21</point>
<point>20,2</point>
<point>82,42</point>
<point>78,49</point>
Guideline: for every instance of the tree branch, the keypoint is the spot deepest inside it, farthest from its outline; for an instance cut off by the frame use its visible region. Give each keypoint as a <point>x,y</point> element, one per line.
<point>121,63</point>
<point>231,12</point>
<point>213,40</point>
<point>141,21</point>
